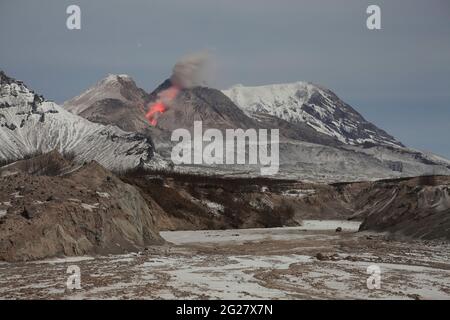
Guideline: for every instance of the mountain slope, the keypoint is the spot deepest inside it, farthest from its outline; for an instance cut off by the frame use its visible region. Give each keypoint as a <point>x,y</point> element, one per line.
<point>416,207</point>
<point>216,110</point>
<point>116,100</point>
<point>120,87</point>
<point>30,124</point>
<point>208,105</point>
<point>87,211</point>
<point>319,108</point>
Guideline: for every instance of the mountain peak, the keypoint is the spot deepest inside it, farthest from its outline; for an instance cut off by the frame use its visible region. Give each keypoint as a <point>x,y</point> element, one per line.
<point>7,81</point>
<point>15,92</point>
<point>114,87</point>
<point>319,108</point>
<point>4,78</point>
<point>116,78</point>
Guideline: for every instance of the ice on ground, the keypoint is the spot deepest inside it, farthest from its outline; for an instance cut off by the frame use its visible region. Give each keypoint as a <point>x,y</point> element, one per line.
<point>264,268</point>
<point>331,225</point>
<point>258,234</point>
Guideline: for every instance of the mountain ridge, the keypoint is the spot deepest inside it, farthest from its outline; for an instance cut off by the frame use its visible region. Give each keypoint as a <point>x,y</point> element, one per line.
<point>318,107</point>
<point>29,124</point>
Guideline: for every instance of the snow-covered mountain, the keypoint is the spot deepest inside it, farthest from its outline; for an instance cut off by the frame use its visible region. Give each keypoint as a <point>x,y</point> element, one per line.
<point>319,108</point>
<point>30,124</point>
<point>321,137</point>
<point>365,151</point>
<point>217,111</point>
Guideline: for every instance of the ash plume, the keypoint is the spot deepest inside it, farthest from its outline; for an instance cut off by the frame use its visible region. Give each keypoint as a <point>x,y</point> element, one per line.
<point>192,70</point>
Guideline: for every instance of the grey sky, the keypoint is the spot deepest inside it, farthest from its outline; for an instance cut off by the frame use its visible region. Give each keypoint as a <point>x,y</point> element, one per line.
<point>398,77</point>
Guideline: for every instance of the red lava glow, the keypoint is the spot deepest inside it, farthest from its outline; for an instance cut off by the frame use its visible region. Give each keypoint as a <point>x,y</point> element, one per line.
<point>154,110</point>
<point>160,106</point>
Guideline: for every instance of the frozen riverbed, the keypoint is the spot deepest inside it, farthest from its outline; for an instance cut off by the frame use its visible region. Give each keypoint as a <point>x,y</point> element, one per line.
<point>259,234</point>
<point>308,262</point>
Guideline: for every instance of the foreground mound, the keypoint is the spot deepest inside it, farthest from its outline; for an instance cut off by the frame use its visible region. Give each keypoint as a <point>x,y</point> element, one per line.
<point>415,207</point>
<point>88,211</point>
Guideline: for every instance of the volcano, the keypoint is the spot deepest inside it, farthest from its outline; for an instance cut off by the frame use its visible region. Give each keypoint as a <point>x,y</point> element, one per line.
<point>317,107</point>
<point>321,136</point>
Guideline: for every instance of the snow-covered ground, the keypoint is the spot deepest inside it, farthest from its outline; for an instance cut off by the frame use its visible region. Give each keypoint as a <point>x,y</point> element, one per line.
<point>310,262</point>
<point>259,234</point>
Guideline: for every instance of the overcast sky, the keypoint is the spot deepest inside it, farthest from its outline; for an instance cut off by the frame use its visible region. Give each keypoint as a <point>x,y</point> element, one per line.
<point>397,77</point>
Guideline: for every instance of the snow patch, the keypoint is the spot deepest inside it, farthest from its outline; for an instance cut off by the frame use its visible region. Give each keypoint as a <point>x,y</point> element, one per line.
<point>103,195</point>
<point>90,207</point>
<point>16,195</point>
<point>216,208</point>
<point>298,193</point>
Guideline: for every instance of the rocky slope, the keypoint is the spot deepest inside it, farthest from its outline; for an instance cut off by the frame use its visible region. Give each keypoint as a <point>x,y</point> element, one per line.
<point>49,207</point>
<point>30,124</point>
<point>194,201</point>
<point>116,100</point>
<point>50,164</point>
<point>216,110</point>
<point>415,207</point>
<point>409,207</point>
<point>87,211</point>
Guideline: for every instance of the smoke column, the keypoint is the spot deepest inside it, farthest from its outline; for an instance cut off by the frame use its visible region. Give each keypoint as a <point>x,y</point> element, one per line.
<point>190,71</point>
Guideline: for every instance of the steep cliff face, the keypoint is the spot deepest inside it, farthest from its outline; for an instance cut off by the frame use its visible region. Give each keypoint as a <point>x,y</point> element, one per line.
<point>416,207</point>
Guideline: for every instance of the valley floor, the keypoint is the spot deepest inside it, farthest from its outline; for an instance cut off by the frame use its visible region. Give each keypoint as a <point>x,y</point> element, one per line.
<point>308,262</point>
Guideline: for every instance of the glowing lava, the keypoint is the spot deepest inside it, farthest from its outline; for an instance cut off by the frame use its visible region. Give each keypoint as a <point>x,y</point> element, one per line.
<point>153,112</point>
<point>161,105</point>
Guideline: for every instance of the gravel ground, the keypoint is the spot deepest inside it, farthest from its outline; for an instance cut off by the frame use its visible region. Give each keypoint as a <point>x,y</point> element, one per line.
<point>309,262</point>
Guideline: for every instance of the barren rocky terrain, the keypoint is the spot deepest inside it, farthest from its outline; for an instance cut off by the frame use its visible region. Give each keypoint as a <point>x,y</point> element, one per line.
<point>416,207</point>
<point>51,206</point>
<point>309,262</point>
<point>130,235</point>
<point>61,210</point>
